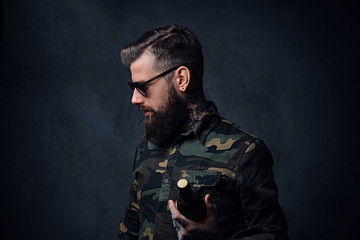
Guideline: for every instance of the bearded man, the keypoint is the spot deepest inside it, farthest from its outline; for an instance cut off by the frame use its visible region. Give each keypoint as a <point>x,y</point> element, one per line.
<point>187,138</point>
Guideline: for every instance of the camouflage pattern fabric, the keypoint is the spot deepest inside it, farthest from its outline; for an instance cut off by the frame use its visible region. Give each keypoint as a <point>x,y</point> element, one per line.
<point>216,157</point>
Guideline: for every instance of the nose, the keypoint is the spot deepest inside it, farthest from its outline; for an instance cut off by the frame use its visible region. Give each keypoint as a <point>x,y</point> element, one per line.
<point>137,98</point>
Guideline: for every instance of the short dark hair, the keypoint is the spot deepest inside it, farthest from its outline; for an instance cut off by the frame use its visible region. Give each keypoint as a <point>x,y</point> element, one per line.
<point>172,46</point>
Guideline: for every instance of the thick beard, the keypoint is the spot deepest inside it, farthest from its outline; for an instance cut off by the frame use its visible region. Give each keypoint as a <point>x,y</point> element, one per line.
<point>166,124</point>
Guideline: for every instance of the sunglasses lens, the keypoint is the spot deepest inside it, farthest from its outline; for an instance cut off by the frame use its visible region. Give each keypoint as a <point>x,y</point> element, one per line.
<point>141,91</point>
<point>138,88</point>
<point>131,85</point>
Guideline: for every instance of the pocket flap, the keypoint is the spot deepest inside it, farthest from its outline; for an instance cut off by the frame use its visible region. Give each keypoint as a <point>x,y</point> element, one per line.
<point>198,179</point>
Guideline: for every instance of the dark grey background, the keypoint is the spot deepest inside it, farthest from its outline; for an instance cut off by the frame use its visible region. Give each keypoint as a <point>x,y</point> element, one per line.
<point>286,71</point>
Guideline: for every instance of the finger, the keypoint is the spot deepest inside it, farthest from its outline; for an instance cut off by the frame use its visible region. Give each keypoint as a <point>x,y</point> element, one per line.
<point>207,199</point>
<point>177,229</point>
<point>174,212</point>
<point>208,204</point>
<point>182,222</point>
<point>176,225</point>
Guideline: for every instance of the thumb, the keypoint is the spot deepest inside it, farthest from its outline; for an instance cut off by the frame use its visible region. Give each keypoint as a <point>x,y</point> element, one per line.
<point>209,207</point>
<point>173,209</point>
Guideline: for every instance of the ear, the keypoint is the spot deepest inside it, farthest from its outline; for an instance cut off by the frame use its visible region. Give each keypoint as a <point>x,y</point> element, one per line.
<point>182,79</point>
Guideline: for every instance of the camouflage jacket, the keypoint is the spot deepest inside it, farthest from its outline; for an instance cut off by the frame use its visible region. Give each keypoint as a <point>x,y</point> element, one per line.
<point>216,157</point>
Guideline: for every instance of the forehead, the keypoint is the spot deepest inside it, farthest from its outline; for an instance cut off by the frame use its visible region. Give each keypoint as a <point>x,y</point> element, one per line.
<point>142,68</point>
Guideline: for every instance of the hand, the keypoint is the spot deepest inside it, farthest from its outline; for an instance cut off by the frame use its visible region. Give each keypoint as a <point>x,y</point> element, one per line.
<point>187,229</point>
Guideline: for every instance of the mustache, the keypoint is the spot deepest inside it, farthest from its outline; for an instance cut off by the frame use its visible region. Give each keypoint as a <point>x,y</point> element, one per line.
<point>143,108</point>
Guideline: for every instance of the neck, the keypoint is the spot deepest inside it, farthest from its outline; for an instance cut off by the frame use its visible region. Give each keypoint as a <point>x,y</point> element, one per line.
<point>197,107</point>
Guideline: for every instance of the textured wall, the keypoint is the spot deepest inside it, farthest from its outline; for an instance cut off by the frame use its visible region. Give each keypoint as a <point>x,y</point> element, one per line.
<point>287,72</point>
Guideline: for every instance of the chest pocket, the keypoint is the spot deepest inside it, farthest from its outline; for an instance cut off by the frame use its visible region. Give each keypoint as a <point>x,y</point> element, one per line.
<point>204,182</point>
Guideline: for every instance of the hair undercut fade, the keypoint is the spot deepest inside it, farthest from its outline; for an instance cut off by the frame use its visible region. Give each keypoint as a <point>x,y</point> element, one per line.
<point>172,46</point>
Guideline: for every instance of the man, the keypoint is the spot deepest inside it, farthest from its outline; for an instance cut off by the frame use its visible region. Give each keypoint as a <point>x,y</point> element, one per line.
<point>186,138</point>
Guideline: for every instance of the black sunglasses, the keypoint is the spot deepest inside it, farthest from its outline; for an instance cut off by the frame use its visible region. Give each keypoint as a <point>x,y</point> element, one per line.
<point>140,87</point>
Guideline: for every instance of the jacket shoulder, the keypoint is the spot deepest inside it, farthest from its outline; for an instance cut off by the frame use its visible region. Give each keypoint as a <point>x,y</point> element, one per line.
<point>226,129</point>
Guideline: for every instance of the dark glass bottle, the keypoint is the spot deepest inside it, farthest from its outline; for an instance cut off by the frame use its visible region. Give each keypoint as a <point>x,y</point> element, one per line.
<point>190,203</point>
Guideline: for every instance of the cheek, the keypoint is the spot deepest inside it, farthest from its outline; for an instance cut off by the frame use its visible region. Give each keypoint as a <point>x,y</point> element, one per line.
<point>162,100</point>
<point>161,105</point>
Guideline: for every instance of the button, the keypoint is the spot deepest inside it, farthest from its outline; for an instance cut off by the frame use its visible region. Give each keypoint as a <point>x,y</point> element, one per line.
<point>166,181</point>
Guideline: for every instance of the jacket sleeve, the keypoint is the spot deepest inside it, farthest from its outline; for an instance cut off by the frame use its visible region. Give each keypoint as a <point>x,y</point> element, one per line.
<point>129,225</point>
<point>256,185</point>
